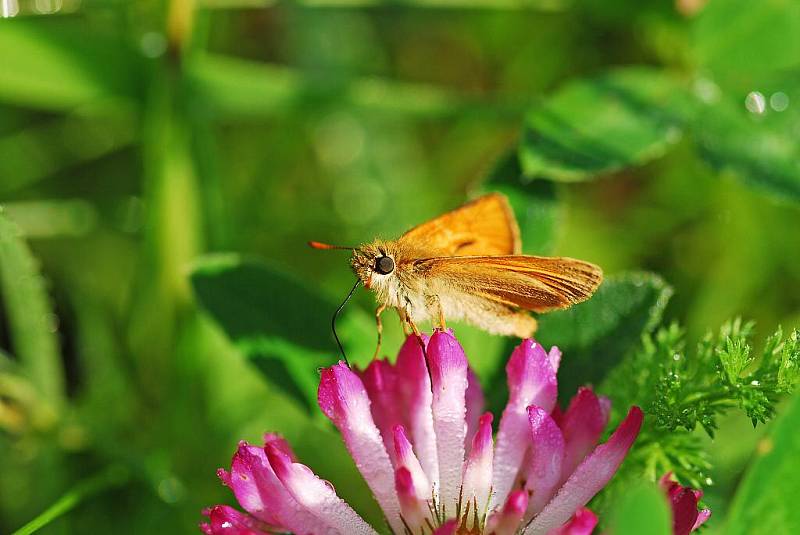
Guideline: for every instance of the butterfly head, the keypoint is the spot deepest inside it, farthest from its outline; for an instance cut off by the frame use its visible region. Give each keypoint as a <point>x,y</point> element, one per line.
<point>374,264</point>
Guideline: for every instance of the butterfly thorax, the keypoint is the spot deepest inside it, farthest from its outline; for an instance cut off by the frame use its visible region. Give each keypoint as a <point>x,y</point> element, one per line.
<point>400,288</point>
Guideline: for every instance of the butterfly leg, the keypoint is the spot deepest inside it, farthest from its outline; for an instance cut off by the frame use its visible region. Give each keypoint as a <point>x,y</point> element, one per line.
<point>435,309</point>
<point>403,321</point>
<point>379,325</point>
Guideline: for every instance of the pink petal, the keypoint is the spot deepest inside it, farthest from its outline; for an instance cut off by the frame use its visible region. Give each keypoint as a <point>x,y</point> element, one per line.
<point>448,528</point>
<point>477,478</point>
<point>448,367</point>
<point>344,400</point>
<point>415,385</point>
<point>225,520</point>
<point>583,523</point>
<point>590,476</point>
<point>547,455</point>
<point>475,403</point>
<point>259,491</point>
<point>702,516</point>
<point>406,459</point>
<point>413,506</point>
<point>684,512</point>
<point>582,426</point>
<point>507,521</point>
<point>380,380</point>
<point>316,495</point>
<point>531,381</point>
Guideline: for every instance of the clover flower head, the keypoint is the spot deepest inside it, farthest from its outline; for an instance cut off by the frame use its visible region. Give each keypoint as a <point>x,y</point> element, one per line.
<point>420,438</point>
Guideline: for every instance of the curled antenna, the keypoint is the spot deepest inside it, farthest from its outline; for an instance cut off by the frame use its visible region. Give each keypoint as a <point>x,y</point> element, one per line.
<point>336,314</point>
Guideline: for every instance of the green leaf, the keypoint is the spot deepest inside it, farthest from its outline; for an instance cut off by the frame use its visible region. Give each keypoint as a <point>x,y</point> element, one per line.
<point>271,316</point>
<point>642,509</point>
<point>760,148</point>
<point>59,64</point>
<point>239,88</point>
<point>766,501</point>
<point>597,334</point>
<point>739,41</point>
<point>535,204</point>
<point>600,125</point>
<point>30,315</point>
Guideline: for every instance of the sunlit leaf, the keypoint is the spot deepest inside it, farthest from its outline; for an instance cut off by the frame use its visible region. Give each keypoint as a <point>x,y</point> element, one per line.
<point>589,127</point>
<point>767,497</point>
<point>58,64</point>
<point>755,137</point>
<point>739,42</point>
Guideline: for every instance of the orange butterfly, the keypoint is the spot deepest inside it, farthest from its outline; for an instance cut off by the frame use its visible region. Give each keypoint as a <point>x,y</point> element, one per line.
<point>466,265</point>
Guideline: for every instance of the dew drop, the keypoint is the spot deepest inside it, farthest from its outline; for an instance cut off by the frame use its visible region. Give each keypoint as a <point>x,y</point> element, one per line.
<point>779,101</point>
<point>755,102</point>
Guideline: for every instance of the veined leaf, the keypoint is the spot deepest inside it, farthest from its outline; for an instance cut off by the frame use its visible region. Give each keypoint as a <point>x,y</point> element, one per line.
<point>589,127</point>
<point>597,334</point>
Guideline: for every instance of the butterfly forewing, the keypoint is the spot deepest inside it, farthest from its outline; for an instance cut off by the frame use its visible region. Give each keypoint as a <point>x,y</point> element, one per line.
<point>528,282</point>
<point>485,226</point>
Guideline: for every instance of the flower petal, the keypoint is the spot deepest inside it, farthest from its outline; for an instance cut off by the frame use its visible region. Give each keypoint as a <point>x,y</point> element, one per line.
<point>547,455</point>
<point>589,477</point>
<point>702,516</point>
<point>477,479</point>
<point>404,454</point>
<point>507,520</point>
<point>413,506</point>
<point>380,380</point>
<point>583,523</point>
<point>448,367</point>
<point>582,426</point>
<point>415,385</point>
<point>344,400</point>
<point>225,520</point>
<point>259,491</point>
<point>531,381</point>
<point>475,403</point>
<point>316,495</point>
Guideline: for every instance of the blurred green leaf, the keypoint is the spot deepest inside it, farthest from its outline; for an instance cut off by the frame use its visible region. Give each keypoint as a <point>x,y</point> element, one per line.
<point>766,501</point>
<point>535,204</point>
<point>113,476</point>
<point>37,151</point>
<point>642,509</point>
<point>31,320</point>
<point>760,146</point>
<point>589,127</point>
<point>58,64</point>
<point>278,322</point>
<point>740,41</point>
<point>596,334</point>
<point>239,88</point>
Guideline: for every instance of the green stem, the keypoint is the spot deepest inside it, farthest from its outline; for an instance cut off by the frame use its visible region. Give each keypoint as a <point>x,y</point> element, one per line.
<point>113,476</point>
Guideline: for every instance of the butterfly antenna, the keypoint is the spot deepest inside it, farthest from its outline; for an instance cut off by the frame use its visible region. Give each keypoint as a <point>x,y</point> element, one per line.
<point>320,245</point>
<point>336,314</point>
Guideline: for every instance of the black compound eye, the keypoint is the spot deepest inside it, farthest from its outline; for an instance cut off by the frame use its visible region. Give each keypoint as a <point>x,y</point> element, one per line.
<point>384,265</point>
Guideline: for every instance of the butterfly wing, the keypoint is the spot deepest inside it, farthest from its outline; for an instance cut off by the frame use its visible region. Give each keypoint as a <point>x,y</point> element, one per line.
<point>534,283</point>
<point>485,226</point>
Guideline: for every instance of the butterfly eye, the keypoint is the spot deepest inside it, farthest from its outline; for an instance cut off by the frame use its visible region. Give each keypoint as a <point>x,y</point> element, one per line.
<point>384,265</point>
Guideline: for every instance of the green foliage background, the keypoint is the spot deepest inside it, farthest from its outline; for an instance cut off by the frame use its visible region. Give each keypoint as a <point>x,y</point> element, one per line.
<point>162,165</point>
